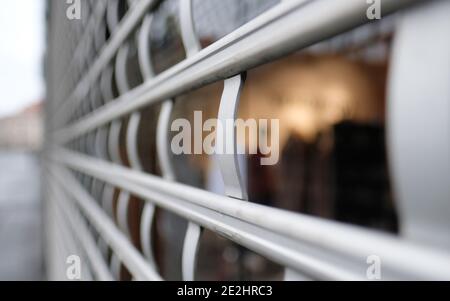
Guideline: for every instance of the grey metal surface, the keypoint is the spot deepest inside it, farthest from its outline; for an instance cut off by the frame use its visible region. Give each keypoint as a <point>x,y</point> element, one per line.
<point>124,251</point>
<point>419,123</point>
<point>226,145</point>
<point>307,247</point>
<point>330,244</point>
<point>192,46</point>
<point>298,24</point>
<point>21,234</point>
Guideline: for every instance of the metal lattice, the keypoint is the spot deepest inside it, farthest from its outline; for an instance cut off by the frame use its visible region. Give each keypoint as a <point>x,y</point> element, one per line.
<point>113,77</point>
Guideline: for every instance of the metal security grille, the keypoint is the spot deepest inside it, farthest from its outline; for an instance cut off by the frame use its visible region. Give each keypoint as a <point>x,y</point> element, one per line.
<point>125,61</point>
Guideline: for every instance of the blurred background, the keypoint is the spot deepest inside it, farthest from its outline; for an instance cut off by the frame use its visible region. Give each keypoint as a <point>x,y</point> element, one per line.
<point>330,98</point>
<point>22,25</point>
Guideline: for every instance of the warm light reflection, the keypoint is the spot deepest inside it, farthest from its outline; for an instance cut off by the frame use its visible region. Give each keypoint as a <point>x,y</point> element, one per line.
<point>308,94</point>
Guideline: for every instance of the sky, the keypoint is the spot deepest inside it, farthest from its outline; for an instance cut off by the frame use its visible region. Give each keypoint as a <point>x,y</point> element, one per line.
<point>21,54</point>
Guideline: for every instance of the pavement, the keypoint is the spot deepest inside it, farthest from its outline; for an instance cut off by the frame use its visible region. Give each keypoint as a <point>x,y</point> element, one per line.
<point>21,235</point>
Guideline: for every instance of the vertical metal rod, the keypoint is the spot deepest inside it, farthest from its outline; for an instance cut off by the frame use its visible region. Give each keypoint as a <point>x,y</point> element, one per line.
<point>106,88</point>
<point>115,127</point>
<point>148,212</point>
<point>193,232</point>
<point>226,144</point>
<point>123,87</point>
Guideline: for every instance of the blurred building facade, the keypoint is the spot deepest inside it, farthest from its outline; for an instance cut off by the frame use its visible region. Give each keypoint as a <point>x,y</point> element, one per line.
<point>23,130</point>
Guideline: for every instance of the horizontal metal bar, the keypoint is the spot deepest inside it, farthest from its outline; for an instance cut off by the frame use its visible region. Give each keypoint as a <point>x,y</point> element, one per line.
<point>125,28</point>
<point>316,263</point>
<point>79,227</point>
<point>298,24</point>
<point>122,247</point>
<point>398,255</point>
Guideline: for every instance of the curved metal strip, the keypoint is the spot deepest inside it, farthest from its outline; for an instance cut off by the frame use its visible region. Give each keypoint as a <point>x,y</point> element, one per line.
<point>419,123</point>
<point>135,119</point>
<point>193,232</point>
<point>148,212</point>
<point>112,15</point>
<point>132,141</point>
<point>122,211</point>
<point>85,179</point>
<point>123,87</point>
<point>190,249</point>
<point>103,138</point>
<point>95,148</point>
<point>90,106</point>
<point>143,53</point>
<point>107,198</point>
<point>147,217</point>
<point>188,35</point>
<point>121,69</point>
<point>106,80</point>
<point>145,63</point>
<point>101,143</point>
<point>100,140</point>
<point>133,157</point>
<point>162,141</point>
<point>113,141</point>
<point>226,145</point>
